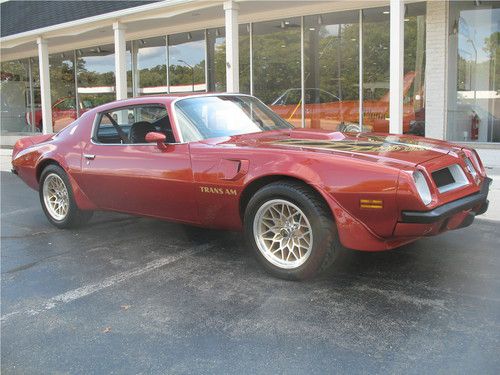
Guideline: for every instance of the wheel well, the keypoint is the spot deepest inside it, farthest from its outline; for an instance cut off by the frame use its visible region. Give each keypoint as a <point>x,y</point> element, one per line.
<point>43,164</point>
<point>259,183</point>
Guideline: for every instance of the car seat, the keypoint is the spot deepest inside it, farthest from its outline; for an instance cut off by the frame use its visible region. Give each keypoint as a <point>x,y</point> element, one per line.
<point>138,131</point>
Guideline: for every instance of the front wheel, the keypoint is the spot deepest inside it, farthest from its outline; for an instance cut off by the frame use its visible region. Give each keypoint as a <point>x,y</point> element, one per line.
<point>56,197</point>
<point>291,230</point>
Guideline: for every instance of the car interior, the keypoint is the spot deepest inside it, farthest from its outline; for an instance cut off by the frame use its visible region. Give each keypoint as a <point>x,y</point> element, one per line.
<point>121,127</point>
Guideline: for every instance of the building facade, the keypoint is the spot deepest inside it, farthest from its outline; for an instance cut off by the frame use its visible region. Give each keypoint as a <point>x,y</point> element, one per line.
<point>421,67</point>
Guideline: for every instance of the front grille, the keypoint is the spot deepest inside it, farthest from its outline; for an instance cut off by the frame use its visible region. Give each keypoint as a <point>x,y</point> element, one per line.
<point>443,177</point>
<point>449,178</point>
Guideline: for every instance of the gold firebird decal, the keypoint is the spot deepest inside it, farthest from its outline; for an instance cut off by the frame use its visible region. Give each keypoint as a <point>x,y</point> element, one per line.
<point>218,191</point>
<point>374,144</point>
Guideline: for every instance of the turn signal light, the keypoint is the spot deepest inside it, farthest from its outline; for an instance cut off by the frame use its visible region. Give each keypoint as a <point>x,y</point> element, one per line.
<point>370,203</point>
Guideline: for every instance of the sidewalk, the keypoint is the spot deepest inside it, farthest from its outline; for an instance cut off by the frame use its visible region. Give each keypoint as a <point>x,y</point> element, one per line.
<point>490,158</point>
<point>491,161</point>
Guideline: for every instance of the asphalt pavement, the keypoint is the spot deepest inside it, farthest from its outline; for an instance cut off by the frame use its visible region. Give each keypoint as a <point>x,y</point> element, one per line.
<point>128,295</point>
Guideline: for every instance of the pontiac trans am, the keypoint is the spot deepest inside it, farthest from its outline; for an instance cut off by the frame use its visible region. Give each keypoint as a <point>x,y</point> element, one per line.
<point>227,161</point>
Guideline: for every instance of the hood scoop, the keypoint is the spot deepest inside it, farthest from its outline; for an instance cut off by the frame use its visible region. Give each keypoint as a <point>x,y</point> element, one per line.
<point>316,135</point>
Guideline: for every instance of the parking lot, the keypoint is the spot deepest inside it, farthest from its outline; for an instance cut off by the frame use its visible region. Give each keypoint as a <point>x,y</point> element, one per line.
<point>134,295</point>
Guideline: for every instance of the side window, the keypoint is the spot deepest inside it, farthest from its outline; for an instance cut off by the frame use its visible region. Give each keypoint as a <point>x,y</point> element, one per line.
<point>129,125</point>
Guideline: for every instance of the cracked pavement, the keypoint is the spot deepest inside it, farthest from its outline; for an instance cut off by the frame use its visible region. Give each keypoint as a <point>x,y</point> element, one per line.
<point>135,295</point>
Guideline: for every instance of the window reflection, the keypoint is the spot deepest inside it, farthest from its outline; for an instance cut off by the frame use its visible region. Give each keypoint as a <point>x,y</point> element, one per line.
<point>276,64</point>
<point>376,55</point>
<point>216,56</point>
<point>151,60</point>
<point>474,80</point>
<point>186,53</point>
<point>376,41</point>
<point>62,85</point>
<point>244,49</point>
<point>96,75</point>
<point>19,96</point>
<point>331,67</point>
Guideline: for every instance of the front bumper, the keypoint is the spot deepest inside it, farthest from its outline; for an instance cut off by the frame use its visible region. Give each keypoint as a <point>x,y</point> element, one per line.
<point>477,202</point>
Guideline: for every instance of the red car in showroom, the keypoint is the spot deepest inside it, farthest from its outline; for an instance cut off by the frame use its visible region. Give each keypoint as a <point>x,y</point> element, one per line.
<point>227,161</point>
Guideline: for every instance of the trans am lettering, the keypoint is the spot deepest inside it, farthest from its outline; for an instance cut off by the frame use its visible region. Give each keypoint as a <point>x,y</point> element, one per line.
<point>218,191</point>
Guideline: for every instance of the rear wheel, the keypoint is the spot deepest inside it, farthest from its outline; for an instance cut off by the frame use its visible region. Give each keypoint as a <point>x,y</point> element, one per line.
<point>291,230</point>
<point>57,199</point>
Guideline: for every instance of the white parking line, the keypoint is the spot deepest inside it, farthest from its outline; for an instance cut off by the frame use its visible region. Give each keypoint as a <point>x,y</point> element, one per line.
<point>86,290</point>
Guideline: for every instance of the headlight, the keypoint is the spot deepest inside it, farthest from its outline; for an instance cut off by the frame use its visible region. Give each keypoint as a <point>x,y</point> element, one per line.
<point>422,187</point>
<point>476,160</point>
<point>470,167</point>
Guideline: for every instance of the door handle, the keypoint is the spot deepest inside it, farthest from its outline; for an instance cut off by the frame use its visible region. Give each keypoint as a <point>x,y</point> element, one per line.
<point>89,156</point>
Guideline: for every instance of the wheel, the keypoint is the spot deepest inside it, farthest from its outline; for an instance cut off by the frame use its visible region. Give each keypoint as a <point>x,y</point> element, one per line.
<point>57,199</point>
<point>291,231</point>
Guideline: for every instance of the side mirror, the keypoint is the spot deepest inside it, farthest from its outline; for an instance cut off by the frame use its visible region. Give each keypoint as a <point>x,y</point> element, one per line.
<point>158,138</point>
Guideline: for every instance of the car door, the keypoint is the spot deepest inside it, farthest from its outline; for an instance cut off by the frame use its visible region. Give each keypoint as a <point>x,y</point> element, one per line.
<point>138,178</point>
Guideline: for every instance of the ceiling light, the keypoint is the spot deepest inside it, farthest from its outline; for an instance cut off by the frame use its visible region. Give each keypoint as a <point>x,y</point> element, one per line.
<point>386,12</point>
<point>312,29</point>
<point>407,19</point>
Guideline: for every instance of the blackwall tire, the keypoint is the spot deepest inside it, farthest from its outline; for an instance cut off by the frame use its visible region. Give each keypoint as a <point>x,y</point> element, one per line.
<point>57,200</point>
<point>281,242</point>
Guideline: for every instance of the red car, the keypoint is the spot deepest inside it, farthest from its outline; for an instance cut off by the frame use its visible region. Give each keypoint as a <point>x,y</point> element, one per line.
<point>227,161</point>
<point>63,113</point>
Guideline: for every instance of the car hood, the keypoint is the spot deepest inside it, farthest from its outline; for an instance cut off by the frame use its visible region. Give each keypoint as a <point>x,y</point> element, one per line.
<point>383,148</point>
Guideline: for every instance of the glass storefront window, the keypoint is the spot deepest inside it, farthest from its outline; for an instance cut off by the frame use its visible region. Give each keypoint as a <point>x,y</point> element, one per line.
<point>244,49</point>
<point>62,86</point>
<point>331,72</point>
<point>474,74</point>
<point>96,75</point>
<point>151,66</point>
<point>414,70</point>
<point>376,40</point>
<point>216,59</point>
<point>186,54</point>
<point>18,99</point>
<point>276,65</point>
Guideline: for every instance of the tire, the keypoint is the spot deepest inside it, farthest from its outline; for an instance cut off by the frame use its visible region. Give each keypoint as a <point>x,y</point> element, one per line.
<point>54,185</point>
<point>262,221</point>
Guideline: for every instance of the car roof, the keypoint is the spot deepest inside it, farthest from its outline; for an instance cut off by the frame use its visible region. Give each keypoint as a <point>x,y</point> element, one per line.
<point>163,98</point>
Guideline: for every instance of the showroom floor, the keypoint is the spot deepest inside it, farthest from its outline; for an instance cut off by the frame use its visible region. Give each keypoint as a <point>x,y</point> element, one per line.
<point>130,295</point>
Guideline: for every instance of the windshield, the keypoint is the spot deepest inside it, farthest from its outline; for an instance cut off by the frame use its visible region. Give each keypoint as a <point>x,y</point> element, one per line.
<point>224,115</point>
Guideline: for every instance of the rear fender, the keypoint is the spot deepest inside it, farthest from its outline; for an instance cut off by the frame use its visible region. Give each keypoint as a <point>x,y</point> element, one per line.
<point>74,166</point>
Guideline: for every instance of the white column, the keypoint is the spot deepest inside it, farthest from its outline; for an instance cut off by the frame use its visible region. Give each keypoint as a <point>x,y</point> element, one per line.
<point>120,61</point>
<point>43,62</point>
<point>232,47</point>
<point>437,66</point>
<point>396,67</point>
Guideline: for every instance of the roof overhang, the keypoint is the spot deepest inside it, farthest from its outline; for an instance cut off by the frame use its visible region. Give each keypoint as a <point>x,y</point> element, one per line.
<point>164,18</point>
